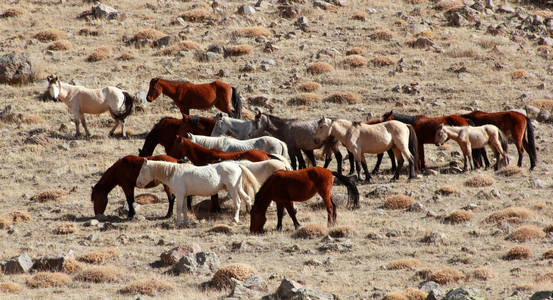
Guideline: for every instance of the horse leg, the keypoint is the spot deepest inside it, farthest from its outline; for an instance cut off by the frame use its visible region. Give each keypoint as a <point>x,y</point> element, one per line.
<point>311,156</point>
<point>325,193</point>
<point>351,163</point>
<point>215,207</point>
<point>366,170</point>
<point>123,131</point>
<point>77,122</point>
<point>180,208</point>
<point>129,195</point>
<point>379,157</point>
<point>292,212</point>
<point>189,202</point>
<point>301,162</point>
<point>280,214</point>
<point>84,125</point>
<point>397,153</point>
<point>234,194</point>
<point>393,160</point>
<point>421,162</point>
<point>338,156</point>
<point>171,199</point>
<point>485,157</point>
<point>114,127</point>
<point>292,155</point>
<point>358,169</point>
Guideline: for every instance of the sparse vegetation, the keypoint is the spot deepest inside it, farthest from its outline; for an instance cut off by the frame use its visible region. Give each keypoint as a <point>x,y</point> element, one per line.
<point>10,287</point>
<point>305,99</point>
<point>60,45</point>
<point>526,233</point>
<point>99,53</point>
<point>398,202</point>
<point>254,31</point>
<point>49,195</point>
<point>510,214</point>
<point>99,256</point>
<point>405,263</point>
<point>50,34</point>
<point>480,181</point>
<point>99,274</point>
<point>150,287</point>
<point>309,86</point>
<point>48,279</point>
<point>320,68</point>
<point>197,15</point>
<point>355,61</point>
<point>66,228</point>
<point>447,276</point>
<point>310,231</point>
<point>460,216</point>
<point>222,278</point>
<point>13,12</point>
<point>343,98</point>
<point>517,252</point>
<point>221,228</point>
<point>382,61</point>
<point>239,50</point>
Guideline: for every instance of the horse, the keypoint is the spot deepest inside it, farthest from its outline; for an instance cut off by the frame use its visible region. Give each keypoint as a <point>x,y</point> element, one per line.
<point>199,180</point>
<point>167,129</point>
<point>514,125</point>
<point>425,128</point>
<point>470,137</point>
<point>298,136</point>
<point>81,100</point>
<point>236,128</point>
<point>262,170</point>
<point>362,138</point>
<point>284,187</point>
<point>123,173</point>
<point>187,95</point>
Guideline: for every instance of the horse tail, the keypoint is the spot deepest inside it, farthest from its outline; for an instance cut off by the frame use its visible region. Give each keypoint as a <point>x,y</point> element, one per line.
<point>236,104</point>
<point>353,192</point>
<point>413,146</point>
<point>504,142</point>
<point>128,107</point>
<point>531,141</point>
<point>249,182</point>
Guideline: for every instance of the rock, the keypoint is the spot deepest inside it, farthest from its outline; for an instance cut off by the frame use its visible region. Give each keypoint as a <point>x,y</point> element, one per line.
<point>374,236</point>
<point>431,287</point>
<point>17,264</point>
<point>379,191</point>
<point>253,283</point>
<point>338,246</point>
<point>193,262</point>
<point>544,116</point>
<point>322,4</point>
<point>537,183</point>
<point>212,56</point>
<point>15,68</point>
<point>51,263</point>
<point>187,264</point>
<point>417,206</point>
<point>542,295</point>
<point>545,41</point>
<point>302,22</point>
<point>455,19</point>
<point>260,100</point>
<point>92,222</point>
<point>433,237</point>
<point>180,21</point>
<point>461,294</point>
<point>104,11</point>
<point>290,289</point>
<point>171,257</point>
<point>532,111</point>
<point>340,2</point>
<point>164,41</point>
<point>313,262</point>
<point>371,11</point>
<point>506,8</point>
<point>246,10</point>
<point>393,233</point>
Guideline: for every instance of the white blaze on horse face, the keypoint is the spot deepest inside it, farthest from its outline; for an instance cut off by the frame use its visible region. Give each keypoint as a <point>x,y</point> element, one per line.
<point>441,137</point>
<point>144,177</point>
<point>53,90</point>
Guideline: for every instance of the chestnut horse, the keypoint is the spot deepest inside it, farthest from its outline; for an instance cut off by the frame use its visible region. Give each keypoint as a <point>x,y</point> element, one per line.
<point>284,187</point>
<point>514,125</point>
<point>124,173</point>
<point>167,129</point>
<point>187,95</point>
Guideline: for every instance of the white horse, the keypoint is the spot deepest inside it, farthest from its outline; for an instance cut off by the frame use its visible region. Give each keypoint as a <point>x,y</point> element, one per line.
<point>268,144</point>
<point>237,128</point>
<point>473,137</point>
<point>200,181</point>
<point>81,100</point>
<point>263,169</point>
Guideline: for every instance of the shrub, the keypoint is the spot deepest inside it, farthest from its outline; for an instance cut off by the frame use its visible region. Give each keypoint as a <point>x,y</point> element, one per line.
<point>343,98</point>
<point>320,68</point>
<point>99,256</point>
<point>446,276</point>
<point>381,35</point>
<point>510,170</point>
<point>150,287</point>
<point>309,86</point>
<point>305,99</point>
<point>99,274</point>
<point>13,12</point>
<point>398,202</point>
<point>480,181</point>
<point>181,46</point>
<point>405,263</point>
<point>526,233</point>
<point>50,34</point>
<point>460,216</point>
<point>310,231</point>
<point>510,214</point>
<point>66,228</point>
<point>221,228</point>
<point>222,278</point>
<point>10,287</point>
<point>517,252</point>
<point>48,279</point>
<point>342,232</point>
<point>254,31</point>
<point>447,190</point>
<point>49,195</point>
<point>60,45</point>
<point>355,61</point>
<point>239,50</point>
<point>99,53</point>
<point>360,16</point>
<point>382,61</point>
<point>518,74</point>
<point>197,15</point>
<point>148,34</point>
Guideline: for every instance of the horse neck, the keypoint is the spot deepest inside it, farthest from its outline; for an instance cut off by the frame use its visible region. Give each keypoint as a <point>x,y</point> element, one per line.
<point>262,199</point>
<point>168,88</point>
<point>405,118</point>
<point>339,129</point>
<point>162,171</point>
<point>108,181</point>
<point>195,153</point>
<point>453,132</point>
<point>66,91</point>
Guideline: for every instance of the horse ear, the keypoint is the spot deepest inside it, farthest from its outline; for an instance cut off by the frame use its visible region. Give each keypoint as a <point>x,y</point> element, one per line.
<point>189,135</point>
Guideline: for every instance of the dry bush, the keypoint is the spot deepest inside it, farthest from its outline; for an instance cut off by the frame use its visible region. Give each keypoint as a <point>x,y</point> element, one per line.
<point>181,46</point>
<point>150,287</point>
<point>458,52</point>
<point>197,15</point>
<point>5,222</point>
<point>398,201</point>
<point>510,214</point>
<point>355,61</point>
<point>480,181</point>
<point>99,256</point>
<point>148,34</point>
<point>320,68</point>
<point>460,216</point>
<point>71,266</point>
<point>310,231</point>
<point>18,216</point>
<point>239,50</point>
<point>222,278</point>
<point>446,276</point>
<point>50,34</point>
<point>525,287</point>
<point>395,295</point>
<point>548,228</point>
<point>518,74</point>
<point>415,294</point>
<point>305,99</point>
<point>342,232</point>
<point>48,279</point>
<point>482,274</point>
<point>526,233</point>
<point>517,252</point>
<point>415,1</point>
<point>546,104</point>
<point>447,190</point>
<point>10,287</point>
<point>13,12</point>
<point>360,15</point>
<point>540,206</point>
<point>309,86</point>
<point>489,43</point>
<point>99,53</point>
<point>49,195</point>
<point>355,50</point>
<point>544,51</point>
<point>547,277</point>
<point>146,199</point>
<point>447,5</point>
<point>421,42</point>
<point>91,32</point>
<point>405,263</point>
<point>66,228</point>
<point>221,228</point>
<point>426,33</point>
<point>343,98</point>
<point>510,170</point>
<point>98,274</point>
<point>32,119</point>
<point>254,31</point>
<point>548,14</point>
<point>60,45</point>
<point>382,61</point>
<point>548,254</point>
<point>125,56</point>
<point>381,35</point>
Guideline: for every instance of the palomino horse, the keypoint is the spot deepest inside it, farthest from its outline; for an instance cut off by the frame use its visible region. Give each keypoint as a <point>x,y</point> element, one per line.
<point>166,130</point>
<point>284,187</point>
<point>81,100</point>
<point>425,129</point>
<point>237,128</point>
<point>469,137</point>
<point>201,181</point>
<point>123,173</point>
<point>362,138</point>
<point>514,125</point>
<point>187,95</point>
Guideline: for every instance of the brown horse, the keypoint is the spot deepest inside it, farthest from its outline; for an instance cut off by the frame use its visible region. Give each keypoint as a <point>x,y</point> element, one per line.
<point>123,173</point>
<point>187,95</point>
<point>201,156</point>
<point>284,187</point>
<point>166,130</point>
<point>513,124</point>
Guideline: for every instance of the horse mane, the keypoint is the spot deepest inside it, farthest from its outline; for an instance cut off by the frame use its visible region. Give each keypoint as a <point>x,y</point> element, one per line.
<point>163,169</point>
<point>278,120</point>
<point>356,123</point>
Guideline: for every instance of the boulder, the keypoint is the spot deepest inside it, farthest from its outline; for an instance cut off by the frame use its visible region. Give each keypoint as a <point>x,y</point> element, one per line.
<point>542,295</point>
<point>172,256</point>
<point>290,289</point>
<point>101,11</point>
<point>193,262</point>
<point>461,294</point>
<point>51,263</point>
<point>17,264</point>
<point>246,10</point>
<point>15,68</point>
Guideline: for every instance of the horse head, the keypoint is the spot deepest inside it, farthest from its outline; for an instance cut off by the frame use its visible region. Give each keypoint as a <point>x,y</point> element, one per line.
<point>154,91</point>
<point>145,175</point>
<point>440,136</point>
<point>99,199</point>
<point>54,86</point>
<point>257,221</point>
<point>388,116</point>
<point>323,130</point>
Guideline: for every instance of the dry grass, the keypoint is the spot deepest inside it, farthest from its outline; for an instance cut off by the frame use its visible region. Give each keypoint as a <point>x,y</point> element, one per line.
<point>548,254</point>
<point>355,50</point>
<point>518,74</point>
<point>99,54</point>
<point>61,45</point>
<point>10,287</point>
<point>305,99</point>
<point>48,279</point>
<point>66,228</point>
<point>543,103</point>
<point>146,199</point>
<point>221,228</point>
<point>99,256</point>
<point>50,34</point>
<point>239,50</point>
<point>342,232</point>
<point>405,263</point>
<point>99,274</point>
<point>360,16</point>
<point>71,266</point>
<point>460,52</point>
<point>460,216</point>
<point>510,170</point>
<point>126,56</point>
<point>310,231</point>
<point>309,86</point>
<point>548,14</point>
<point>446,276</point>
<point>382,61</point>
<point>398,201</point>
<point>32,119</point>
<point>13,12</point>
<point>548,228</point>
<point>482,274</point>
<point>49,195</point>
<point>343,98</point>
<point>150,287</point>
<point>544,51</point>
<point>148,34</point>
<point>525,287</point>
<point>395,295</point>
<point>355,61</point>
<point>18,216</point>
<point>421,42</point>
<point>447,5</point>
<point>517,252</point>
<point>181,46</point>
<point>5,222</point>
<point>197,15</point>
<point>526,233</point>
<point>408,294</point>
<point>480,181</point>
<point>221,278</point>
<point>320,68</point>
<point>510,214</point>
<point>254,31</point>
<point>448,190</point>
<point>92,32</point>
<point>547,277</point>
<point>381,35</point>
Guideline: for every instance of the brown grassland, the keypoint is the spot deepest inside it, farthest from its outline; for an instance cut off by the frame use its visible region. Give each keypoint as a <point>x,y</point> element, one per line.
<point>346,62</point>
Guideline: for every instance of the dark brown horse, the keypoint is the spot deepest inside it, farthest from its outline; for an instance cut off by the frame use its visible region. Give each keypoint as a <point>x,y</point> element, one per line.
<point>284,187</point>
<point>167,129</point>
<point>187,95</point>
<point>514,125</point>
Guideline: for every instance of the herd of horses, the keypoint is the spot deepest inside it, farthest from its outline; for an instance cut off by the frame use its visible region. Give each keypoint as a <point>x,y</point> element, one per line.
<point>261,160</point>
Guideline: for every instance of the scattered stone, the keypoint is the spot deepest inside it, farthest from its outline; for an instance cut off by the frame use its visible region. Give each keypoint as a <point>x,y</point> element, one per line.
<point>246,10</point>
<point>538,183</point>
<point>544,116</point>
<point>374,236</point>
<point>193,262</point>
<point>532,111</point>
<point>322,4</point>
<point>180,21</point>
<point>165,41</point>
<point>52,263</point>
<point>290,289</point>
<point>338,246</point>
<point>431,287</point>
<point>461,294</point>
<point>417,206</point>
<point>171,257</point>
<point>104,11</point>
<point>379,191</point>
<point>433,237</point>
<point>542,295</point>
<point>15,68</point>
<point>393,233</point>
<point>17,264</point>
<point>456,19</point>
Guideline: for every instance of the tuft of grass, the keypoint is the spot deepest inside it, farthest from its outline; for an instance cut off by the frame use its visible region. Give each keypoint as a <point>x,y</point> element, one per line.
<point>548,254</point>
<point>446,276</point>
<point>517,252</point>
<point>99,53</point>
<point>66,228</point>
<point>10,287</point>
<point>48,279</point>
<point>395,295</point>
<point>510,214</point>
<point>398,201</point>
<point>310,231</point>
<point>197,15</point>
<point>320,68</point>
<point>305,99</point>
<point>18,216</point>
<point>408,294</point>
<point>148,34</point>
<point>518,74</point>
<point>32,119</point>
<point>460,216</point>
<point>355,61</point>
<point>99,256</point>
<point>448,5</point>
<point>150,287</point>
<point>181,46</point>
<point>421,42</point>
<point>547,277</point>
<point>92,32</point>
<point>510,170</point>
<point>239,50</point>
<point>253,31</point>
<point>355,50</point>
<point>5,222</point>
<point>526,233</point>
<point>61,45</point>
<point>480,181</point>
<point>342,232</point>
<point>12,12</point>
<point>382,61</point>
<point>458,52</point>
<point>525,287</point>
<point>222,278</point>
<point>126,56</point>
<point>343,98</point>
<point>360,16</point>
<point>71,266</point>
<point>405,263</point>
<point>447,190</point>
<point>49,34</point>
<point>381,35</point>
<point>544,51</point>
<point>99,274</point>
<point>542,103</point>
<point>49,195</point>
<point>221,228</point>
<point>309,86</point>
<point>146,199</point>
<point>548,228</point>
<point>482,274</point>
